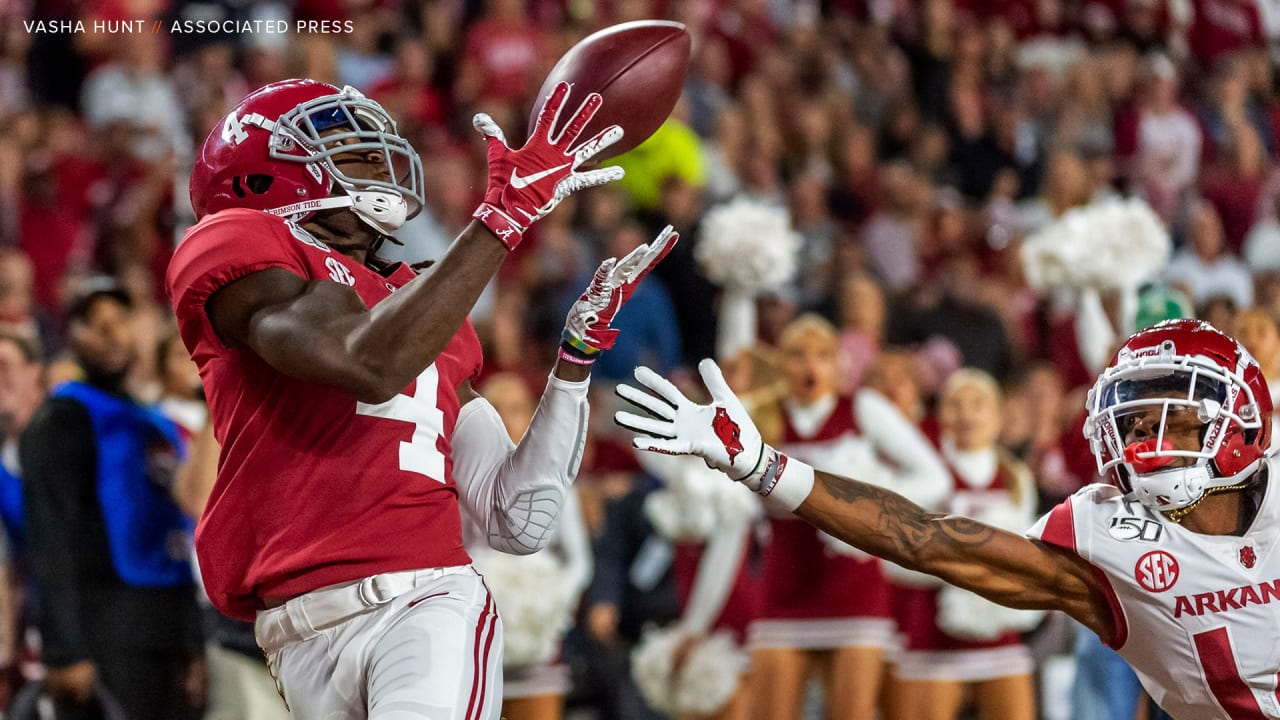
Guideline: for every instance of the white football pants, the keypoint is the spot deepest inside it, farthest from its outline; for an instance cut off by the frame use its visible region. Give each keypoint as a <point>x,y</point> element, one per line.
<point>415,645</point>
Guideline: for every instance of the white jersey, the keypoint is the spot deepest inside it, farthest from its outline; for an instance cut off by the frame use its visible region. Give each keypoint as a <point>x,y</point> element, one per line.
<point>1197,616</point>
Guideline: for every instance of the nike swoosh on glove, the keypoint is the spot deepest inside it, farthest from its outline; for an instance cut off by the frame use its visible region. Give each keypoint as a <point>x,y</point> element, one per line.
<point>526,184</point>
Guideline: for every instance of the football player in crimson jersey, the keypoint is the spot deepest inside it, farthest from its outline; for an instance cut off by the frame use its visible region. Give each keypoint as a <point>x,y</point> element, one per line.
<point>339,388</point>
<point>1177,567</point>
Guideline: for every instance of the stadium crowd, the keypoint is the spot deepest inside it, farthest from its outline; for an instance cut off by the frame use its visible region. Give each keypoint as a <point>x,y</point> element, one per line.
<point>915,147</point>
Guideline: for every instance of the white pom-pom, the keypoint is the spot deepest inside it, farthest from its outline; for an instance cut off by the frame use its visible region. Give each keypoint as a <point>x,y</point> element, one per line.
<point>711,672</point>
<point>534,601</point>
<point>965,615</point>
<point>1108,245</point>
<point>696,499</point>
<point>747,246</point>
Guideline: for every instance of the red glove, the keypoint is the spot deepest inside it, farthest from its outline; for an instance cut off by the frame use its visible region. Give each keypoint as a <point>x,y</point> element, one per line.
<point>586,330</point>
<point>526,184</point>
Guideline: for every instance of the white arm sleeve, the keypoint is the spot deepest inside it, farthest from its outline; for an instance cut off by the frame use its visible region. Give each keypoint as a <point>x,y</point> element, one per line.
<point>919,474</point>
<point>515,492</point>
<point>717,569</point>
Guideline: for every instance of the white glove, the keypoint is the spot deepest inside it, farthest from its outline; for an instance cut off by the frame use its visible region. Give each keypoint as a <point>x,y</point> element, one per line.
<point>721,433</point>
<point>587,329</point>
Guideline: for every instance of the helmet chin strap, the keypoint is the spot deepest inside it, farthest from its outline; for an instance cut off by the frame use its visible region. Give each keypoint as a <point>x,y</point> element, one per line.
<point>382,210</point>
<point>1160,485</point>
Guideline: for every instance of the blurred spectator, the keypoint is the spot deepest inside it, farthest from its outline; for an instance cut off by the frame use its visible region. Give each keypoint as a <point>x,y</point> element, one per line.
<point>106,547</point>
<point>1234,185</point>
<point>408,93</point>
<point>1230,103</point>
<point>1257,330</point>
<point>672,153</point>
<point>21,392</point>
<point>19,313</point>
<point>633,585</point>
<point>950,308</point>
<point>1166,149</point>
<point>892,235</point>
<point>360,61</point>
<point>1262,244</point>
<point>132,90</point>
<point>1205,267</point>
<point>502,58</point>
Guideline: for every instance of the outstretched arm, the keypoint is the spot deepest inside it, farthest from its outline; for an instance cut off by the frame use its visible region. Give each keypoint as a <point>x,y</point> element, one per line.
<point>516,492</point>
<point>1001,566</point>
<point>998,565</point>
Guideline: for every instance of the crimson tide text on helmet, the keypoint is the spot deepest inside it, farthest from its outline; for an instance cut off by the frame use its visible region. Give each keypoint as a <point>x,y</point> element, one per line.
<point>275,152</point>
<point>1180,366</point>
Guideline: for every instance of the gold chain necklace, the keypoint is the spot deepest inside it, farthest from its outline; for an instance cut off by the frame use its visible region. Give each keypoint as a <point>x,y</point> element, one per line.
<point>1179,513</point>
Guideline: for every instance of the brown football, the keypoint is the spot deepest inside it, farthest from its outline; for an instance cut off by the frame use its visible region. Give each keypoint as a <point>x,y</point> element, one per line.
<point>637,67</point>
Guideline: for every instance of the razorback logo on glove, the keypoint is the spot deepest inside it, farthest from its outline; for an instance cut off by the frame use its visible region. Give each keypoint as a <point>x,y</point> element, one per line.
<point>728,432</point>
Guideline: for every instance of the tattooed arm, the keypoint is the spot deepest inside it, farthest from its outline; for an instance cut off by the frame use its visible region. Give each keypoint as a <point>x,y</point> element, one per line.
<point>1000,566</point>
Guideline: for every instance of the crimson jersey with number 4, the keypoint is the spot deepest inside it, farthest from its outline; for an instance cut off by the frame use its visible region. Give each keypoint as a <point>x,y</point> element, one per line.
<point>314,488</point>
<point>1197,616</point>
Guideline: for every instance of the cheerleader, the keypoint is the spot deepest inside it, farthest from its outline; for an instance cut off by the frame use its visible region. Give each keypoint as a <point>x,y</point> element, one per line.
<point>825,607</point>
<point>957,645</point>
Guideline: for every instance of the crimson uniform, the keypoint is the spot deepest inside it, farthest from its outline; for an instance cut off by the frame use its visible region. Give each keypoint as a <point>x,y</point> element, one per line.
<point>314,488</point>
<point>982,487</point>
<point>811,596</point>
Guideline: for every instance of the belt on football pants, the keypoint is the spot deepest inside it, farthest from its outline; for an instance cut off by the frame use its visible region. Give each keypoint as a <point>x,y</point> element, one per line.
<point>309,614</point>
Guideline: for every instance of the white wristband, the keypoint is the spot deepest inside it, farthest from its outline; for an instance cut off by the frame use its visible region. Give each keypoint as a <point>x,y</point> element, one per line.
<point>786,482</point>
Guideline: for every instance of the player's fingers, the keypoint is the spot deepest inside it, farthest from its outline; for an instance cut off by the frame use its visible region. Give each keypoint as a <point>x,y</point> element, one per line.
<point>600,141</point>
<point>550,111</point>
<point>714,380</point>
<point>660,386</point>
<point>672,446</point>
<point>488,128</point>
<point>645,401</point>
<point>578,181</point>
<point>644,424</point>
<point>578,122</point>
<point>603,272</point>
<point>648,255</point>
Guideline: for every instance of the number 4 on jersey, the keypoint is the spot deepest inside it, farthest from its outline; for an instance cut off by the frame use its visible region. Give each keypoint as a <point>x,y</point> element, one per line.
<point>420,454</point>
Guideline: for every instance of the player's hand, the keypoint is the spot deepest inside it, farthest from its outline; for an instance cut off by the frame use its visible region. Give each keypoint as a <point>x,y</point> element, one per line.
<point>74,682</point>
<point>720,432</point>
<point>526,184</point>
<point>587,329</point>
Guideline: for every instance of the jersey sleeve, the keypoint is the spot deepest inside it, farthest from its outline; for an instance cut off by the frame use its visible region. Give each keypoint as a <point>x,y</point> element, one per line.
<point>1068,527</point>
<point>220,250</point>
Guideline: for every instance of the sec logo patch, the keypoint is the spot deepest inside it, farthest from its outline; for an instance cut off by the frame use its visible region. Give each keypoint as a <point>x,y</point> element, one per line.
<point>1156,571</point>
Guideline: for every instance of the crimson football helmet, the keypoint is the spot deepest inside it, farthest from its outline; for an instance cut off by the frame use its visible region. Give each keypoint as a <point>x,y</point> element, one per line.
<point>275,152</point>
<point>1180,367</point>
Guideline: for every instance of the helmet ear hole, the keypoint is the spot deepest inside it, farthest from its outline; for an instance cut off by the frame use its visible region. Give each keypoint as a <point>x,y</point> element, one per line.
<point>256,183</point>
<point>259,183</point>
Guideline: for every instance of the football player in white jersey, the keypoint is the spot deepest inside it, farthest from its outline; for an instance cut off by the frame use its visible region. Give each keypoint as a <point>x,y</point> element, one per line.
<point>1177,567</point>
